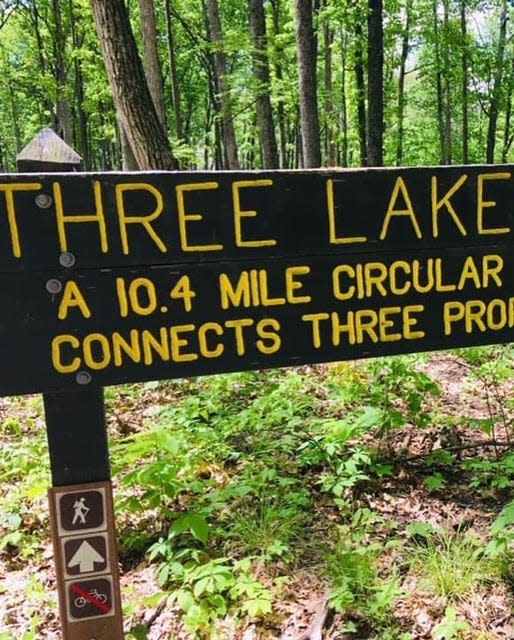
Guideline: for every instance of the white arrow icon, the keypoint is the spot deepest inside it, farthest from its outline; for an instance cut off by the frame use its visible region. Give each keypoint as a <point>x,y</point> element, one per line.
<point>85,558</point>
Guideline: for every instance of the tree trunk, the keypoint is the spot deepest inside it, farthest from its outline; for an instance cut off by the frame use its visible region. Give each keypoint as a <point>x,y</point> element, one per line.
<point>281,112</point>
<point>262,76</point>
<point>465,90</point>
<point>494,103</point>
<point>375,84</point>
<point>401,82</point>
<point>439,86</point>
<point>361,93</point>
<point>151,62</point>
<point>329,116</point>
<point>128,85</point>
<point>63,124</point>
<point>307,56</point>
<point>175,86</point>
<point>220,68</point>
<point>447,87</point>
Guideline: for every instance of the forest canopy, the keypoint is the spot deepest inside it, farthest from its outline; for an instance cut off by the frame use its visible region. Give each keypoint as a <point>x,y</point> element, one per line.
<point>269,83</point>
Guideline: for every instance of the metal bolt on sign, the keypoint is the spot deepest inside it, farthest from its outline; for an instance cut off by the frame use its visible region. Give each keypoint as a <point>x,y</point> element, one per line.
<point>53,286</point>
<point>44,201</point>
<point>67,259</point>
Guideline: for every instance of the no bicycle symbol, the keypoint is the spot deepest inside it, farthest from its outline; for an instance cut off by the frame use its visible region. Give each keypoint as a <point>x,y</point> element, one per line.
<point>90,599</point>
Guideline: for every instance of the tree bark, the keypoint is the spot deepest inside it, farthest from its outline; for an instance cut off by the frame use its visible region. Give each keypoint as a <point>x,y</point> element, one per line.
<point>401,83</point>
<point>129,87</point>
<point>375,84</point>
<point>361,93</point>
<point>329,116</point>
<point>220,68</point>
<point>175,86</point>
<point>151,62</point>
<point>494,103</point>
<point>261,72</point>
<point>465,90</point>
<point>306,45</point>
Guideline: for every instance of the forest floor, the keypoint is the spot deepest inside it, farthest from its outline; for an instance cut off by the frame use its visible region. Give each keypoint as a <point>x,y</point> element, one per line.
<point>409,541</point>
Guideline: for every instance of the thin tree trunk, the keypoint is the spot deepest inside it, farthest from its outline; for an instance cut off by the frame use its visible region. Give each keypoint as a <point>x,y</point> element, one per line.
<point>447,87</point>
<point>281,114</point>
<point>220,67</point>
<point>175,85</point>
<point>151,62</point>
<point>261,72</point>
<point>307,57</point>
<point>344,108</point>
<point>329,116</point>
<point>127,80</point>
<point>494,104</point>
<point>361,93</point>
<point>64,127</point>
<point>401,82</point>
<point>439,86</point>
<point>465,80</point>
<point>375,84</point>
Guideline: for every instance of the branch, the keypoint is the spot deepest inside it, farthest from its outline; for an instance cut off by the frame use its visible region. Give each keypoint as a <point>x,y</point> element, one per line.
<point>315,630</point>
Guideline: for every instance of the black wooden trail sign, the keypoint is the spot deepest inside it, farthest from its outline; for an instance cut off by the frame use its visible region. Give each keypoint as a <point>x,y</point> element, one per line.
<point>115,277</point>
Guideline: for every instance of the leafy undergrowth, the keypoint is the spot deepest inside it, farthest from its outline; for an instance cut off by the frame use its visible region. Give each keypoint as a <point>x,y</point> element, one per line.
<point>349,501</point>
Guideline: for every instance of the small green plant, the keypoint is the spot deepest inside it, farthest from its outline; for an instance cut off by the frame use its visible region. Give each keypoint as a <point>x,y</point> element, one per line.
<point>450,564</point>
<point>450,627</point>
<point>353,569</point>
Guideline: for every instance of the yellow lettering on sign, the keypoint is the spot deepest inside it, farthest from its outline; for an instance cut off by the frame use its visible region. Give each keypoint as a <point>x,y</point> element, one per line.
<point>160,345</point>
<point>184,218</point>
<point>292,284</point>
<point>270,341</point>
<point>234,296</point>
<point>478,315</point>
<point>483,204</point>
<point>238,326</point>
<point>400,188</point>
<point>121,347</point>
<point>72,297</point>
<point>437,204</point>
<point>331,209</point>
<point>177,342</point>
<point>206,350</point>
<point>315,319</point>
<point>145,221</point>
<point>63,219</point>
<point>239,213</point>
<point>57,360</point>
<point>9,190</point>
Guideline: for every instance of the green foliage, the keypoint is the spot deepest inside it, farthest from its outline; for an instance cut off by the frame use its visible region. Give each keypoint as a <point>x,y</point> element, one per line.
<point>450,564</point>
<point>450,627</point>
<point>352,566</point>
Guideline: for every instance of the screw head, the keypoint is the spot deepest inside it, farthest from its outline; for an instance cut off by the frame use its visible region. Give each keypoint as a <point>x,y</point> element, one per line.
<point>67,259</point>
<point>44,201</point>
<point>53,286</point>
<point>83,377</point>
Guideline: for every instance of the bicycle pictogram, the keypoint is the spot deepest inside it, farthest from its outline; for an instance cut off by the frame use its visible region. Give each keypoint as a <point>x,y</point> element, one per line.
<point>94,597</point>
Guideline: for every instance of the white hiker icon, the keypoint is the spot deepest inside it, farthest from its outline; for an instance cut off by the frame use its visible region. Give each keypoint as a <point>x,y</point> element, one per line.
<point>81,511</point>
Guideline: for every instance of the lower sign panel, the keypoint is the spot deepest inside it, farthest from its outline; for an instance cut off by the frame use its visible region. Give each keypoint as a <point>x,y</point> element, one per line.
<point>121,325</point>
<point>90,598</point>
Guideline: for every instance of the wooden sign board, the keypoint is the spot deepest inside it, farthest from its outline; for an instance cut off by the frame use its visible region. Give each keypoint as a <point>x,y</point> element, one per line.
<point>118,277</point>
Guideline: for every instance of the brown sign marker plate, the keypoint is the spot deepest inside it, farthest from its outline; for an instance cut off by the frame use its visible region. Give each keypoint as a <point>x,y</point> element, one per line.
<point>85,559</point>
<point>83,555</point>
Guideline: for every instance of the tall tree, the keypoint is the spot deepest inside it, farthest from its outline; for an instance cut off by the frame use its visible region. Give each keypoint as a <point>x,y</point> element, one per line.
<point>220,68</point>
<point>129,88</point>
<point>151,62</point>
<point>262,76</point>
<point>401,81</point>
<point>306,43</point>
<point>494,101</point>
<point>375,84</point>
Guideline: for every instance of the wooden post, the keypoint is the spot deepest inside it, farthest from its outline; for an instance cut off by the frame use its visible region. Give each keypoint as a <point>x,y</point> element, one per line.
<point>81,507</point>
